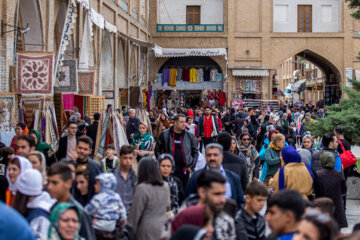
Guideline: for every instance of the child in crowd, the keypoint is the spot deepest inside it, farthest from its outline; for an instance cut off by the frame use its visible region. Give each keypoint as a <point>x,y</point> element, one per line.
<point>106,207</point>
<point>249,223</point>
<point>110,162</point>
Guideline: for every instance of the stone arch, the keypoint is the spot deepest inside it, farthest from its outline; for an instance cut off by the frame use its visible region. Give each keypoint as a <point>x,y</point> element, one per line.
<point>30,13</point>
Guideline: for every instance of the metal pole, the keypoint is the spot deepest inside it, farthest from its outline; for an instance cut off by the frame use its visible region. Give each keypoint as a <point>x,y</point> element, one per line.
<point>16,32</point>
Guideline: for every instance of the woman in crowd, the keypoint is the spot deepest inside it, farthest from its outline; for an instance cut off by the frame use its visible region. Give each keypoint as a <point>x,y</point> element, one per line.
<point>148,212</point>
<point>161,123</point>
<point>198,215</point>
<point>167,167</point>
<point>20,129</point>
<point>38,162</point>
<point>316,226</point>
<point>307,143</point>
<point>82,184</point>
<point>33,203</point>
<point>16,166</point>
<point>65,222</point>
<point>251,155</point>
<point>234,146</point>
<point>273,156</point>
<point>253,127</point>
<point>143,142</point>
<point>331,183</point>
<point>191,127</point>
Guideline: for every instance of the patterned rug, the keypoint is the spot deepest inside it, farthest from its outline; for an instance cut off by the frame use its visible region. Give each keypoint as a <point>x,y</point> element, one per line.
<point>29,107</point>
<point>67,77</point>
<point>86,81</point>
<point>35,73</point>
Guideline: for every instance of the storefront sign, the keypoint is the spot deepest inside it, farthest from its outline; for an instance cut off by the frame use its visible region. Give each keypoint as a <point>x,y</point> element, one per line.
<point>187,52</point>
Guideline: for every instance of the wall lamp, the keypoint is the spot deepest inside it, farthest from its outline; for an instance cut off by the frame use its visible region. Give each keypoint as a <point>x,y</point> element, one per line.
<point>22,30</point>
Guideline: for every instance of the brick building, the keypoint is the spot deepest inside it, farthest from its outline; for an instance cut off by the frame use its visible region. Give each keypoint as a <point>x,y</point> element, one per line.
<point>244,41</point>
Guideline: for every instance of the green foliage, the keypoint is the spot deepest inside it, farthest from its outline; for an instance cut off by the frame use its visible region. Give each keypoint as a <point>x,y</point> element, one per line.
<point>346,114</point>
<point>354,4</point>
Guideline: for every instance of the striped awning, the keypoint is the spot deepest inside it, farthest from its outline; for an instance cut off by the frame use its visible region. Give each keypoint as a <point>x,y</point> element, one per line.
<point>250,73</point>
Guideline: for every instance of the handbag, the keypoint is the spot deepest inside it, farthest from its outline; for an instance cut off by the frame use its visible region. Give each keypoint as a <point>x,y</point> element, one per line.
<point>347,157</point>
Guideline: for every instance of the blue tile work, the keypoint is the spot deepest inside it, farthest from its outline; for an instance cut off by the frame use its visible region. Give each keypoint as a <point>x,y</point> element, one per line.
<point>190,28</point>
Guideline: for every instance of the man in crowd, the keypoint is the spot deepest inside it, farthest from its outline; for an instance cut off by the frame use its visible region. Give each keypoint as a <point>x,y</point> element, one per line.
<point>330,144</point>
<point>67,143</point>
<point>92,129</point>
<point>228,120</point>
<point>284,213</point>
<point>81,156</point>
<point>25,145</point>
<point>125,175</point>
<point>208,127</point>
<point>214,158</point>
<point>132,125</point>
<point>211,192</point>
<point>182,145</point>
<point>249,223</point>
<point>232,162</point>
<point>59,186</point>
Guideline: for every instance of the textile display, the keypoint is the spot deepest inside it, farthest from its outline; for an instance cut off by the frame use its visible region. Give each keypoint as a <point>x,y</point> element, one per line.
<point>106,63</point>
<point>35,73</point>
<point>69,23</point>
<point>79,104</point>
<point>7,111</point>
<point>120,65</point>
<point>68,101</point>
<point>120,138</point>
<point>29,106</point>
<point>109,27</point>
<point>193,74</point>
<point>165,77</point>
<point>100,151</point>
<point>86,58</point>
<point>173,75</point>
<point>67,77</point>
<point>86,82</point>
<point>7,136</point>
<point>199,75</point>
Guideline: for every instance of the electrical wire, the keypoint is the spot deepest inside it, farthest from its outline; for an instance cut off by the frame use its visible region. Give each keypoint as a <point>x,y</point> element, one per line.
<point>167,11</point>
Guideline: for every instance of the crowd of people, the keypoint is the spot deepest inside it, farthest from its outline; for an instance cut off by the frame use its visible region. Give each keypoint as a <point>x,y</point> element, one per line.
<point>198,173</point>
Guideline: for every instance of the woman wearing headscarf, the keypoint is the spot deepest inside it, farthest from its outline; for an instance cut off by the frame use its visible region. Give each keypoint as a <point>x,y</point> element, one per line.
<point>38,162</point>
<point>331,183</point>
<point>198,215</point>
<point>143,142</point>
<point>253,127</point>
<point>234,148</point>
<point>294,174</point>
<point>65,222</point>
<point>148,212</point>
<point>42,147</point>
<point>191,126</point>
<point>32,202</point>
<point>161,123</point>
<point>16,166</point>
<point>21,129</point>
<point>273,156</point>
<point>251,155</point>
<point>167,167</point>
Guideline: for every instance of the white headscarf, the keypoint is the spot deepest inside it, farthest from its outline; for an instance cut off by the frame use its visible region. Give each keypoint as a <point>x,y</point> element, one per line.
<point>24,164</point>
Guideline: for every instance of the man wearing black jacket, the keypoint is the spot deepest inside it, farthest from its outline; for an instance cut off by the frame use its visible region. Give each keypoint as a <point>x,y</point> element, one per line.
<point>228,121</point>
<point>92,129</point>
<point>232,162</point>
<point>181,144</point>
<point>68,142</point>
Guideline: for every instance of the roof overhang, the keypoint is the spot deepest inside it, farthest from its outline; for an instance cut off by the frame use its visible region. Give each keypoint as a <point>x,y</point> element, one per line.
<point>250,73</point>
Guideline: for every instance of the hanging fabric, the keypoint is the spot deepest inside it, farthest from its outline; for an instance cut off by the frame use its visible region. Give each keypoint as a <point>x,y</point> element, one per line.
<point>120,138</point>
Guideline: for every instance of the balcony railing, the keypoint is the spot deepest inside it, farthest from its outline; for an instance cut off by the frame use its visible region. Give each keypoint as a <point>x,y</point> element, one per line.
<point>190,28</point>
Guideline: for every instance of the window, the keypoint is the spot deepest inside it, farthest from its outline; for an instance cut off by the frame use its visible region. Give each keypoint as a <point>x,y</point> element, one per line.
<point>193,15</point>
<point>304,18</point>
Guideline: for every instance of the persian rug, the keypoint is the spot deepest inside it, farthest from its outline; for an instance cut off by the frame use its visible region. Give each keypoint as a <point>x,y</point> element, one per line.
<point>86,81</point>
<point>29,107</point>
<point>35,74</point>
<point>67,76</point>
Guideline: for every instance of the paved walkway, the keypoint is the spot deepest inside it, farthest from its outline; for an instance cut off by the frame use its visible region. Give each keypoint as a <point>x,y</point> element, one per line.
<point>352,214</point>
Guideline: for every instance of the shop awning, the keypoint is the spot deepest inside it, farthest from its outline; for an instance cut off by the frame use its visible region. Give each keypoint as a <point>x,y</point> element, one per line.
<point>188,52</point>
<point>299,86</point>
<point>250,73</point>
